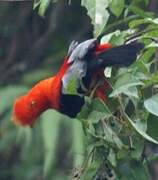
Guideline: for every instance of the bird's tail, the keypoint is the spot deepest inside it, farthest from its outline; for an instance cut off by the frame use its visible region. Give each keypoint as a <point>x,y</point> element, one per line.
<point>123,55</point>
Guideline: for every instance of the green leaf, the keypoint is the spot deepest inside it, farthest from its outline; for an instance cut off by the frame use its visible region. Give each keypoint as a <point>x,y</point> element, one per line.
<point>116,7</point>
<point>43,6</point>
<point>107,72</point>
<point>50,123</point>
<point>146,56</point>
<point>124,84</point>
<point>96,116</point>
<point>138,127</point>
<point>111,137</point>
<point>106,38</point>
<point>112,157</point>
<point>153,80</point>
<point>139,11</point>
<point>144,68</point>
<point>117,37</point>
<point>108,136</point>
<point>152,44</point>
<point>91,170</point>
<point>152,126</point>
<point>136,22</point>
<point>154,21</point>
<point>78,144</point>
<point>151,105</point>
<point>86,109</point>
<point>99,110</point>
<point>132,92</point>
<point>36,3</point>
<point>122,154</point>
<point>24,134</point>
<point>153,33</point>
<point>98,13</point>
<point>138,146</point>
<point>94,110</point>
<point>100,106</point>
<point>29,155</point>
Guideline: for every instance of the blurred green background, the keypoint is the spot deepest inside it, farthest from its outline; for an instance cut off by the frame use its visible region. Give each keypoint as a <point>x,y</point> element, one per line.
<point>32,48</point>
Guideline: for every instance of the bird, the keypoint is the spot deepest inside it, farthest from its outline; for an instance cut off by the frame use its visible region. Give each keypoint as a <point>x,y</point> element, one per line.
<point>81,73</point>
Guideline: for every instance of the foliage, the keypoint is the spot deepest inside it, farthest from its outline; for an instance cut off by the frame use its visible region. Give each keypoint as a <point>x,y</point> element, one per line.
<point>122,133</point>
<point>105,140</point>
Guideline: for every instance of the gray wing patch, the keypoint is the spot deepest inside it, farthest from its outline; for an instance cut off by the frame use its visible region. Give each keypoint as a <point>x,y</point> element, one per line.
<point>81,50</point>
<point>76,71</point>
<point>78,68</point>
<point>72,46</point>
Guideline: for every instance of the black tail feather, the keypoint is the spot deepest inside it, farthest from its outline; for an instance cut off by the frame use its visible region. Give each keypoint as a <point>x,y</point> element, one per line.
<point>123,55</point>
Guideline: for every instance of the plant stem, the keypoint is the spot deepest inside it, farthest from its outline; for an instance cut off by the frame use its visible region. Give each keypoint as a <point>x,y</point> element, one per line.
<point>83,169</point>
<point>115,25</point>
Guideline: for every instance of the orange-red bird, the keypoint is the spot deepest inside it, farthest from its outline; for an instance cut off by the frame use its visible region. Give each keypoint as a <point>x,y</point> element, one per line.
<point>83,67</point>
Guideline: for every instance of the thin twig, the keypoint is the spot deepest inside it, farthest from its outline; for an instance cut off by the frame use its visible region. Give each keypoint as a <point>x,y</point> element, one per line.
<point>115,25</point>
<point>83,169</point>
<point>131,142</point>
<point>140,33</point>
